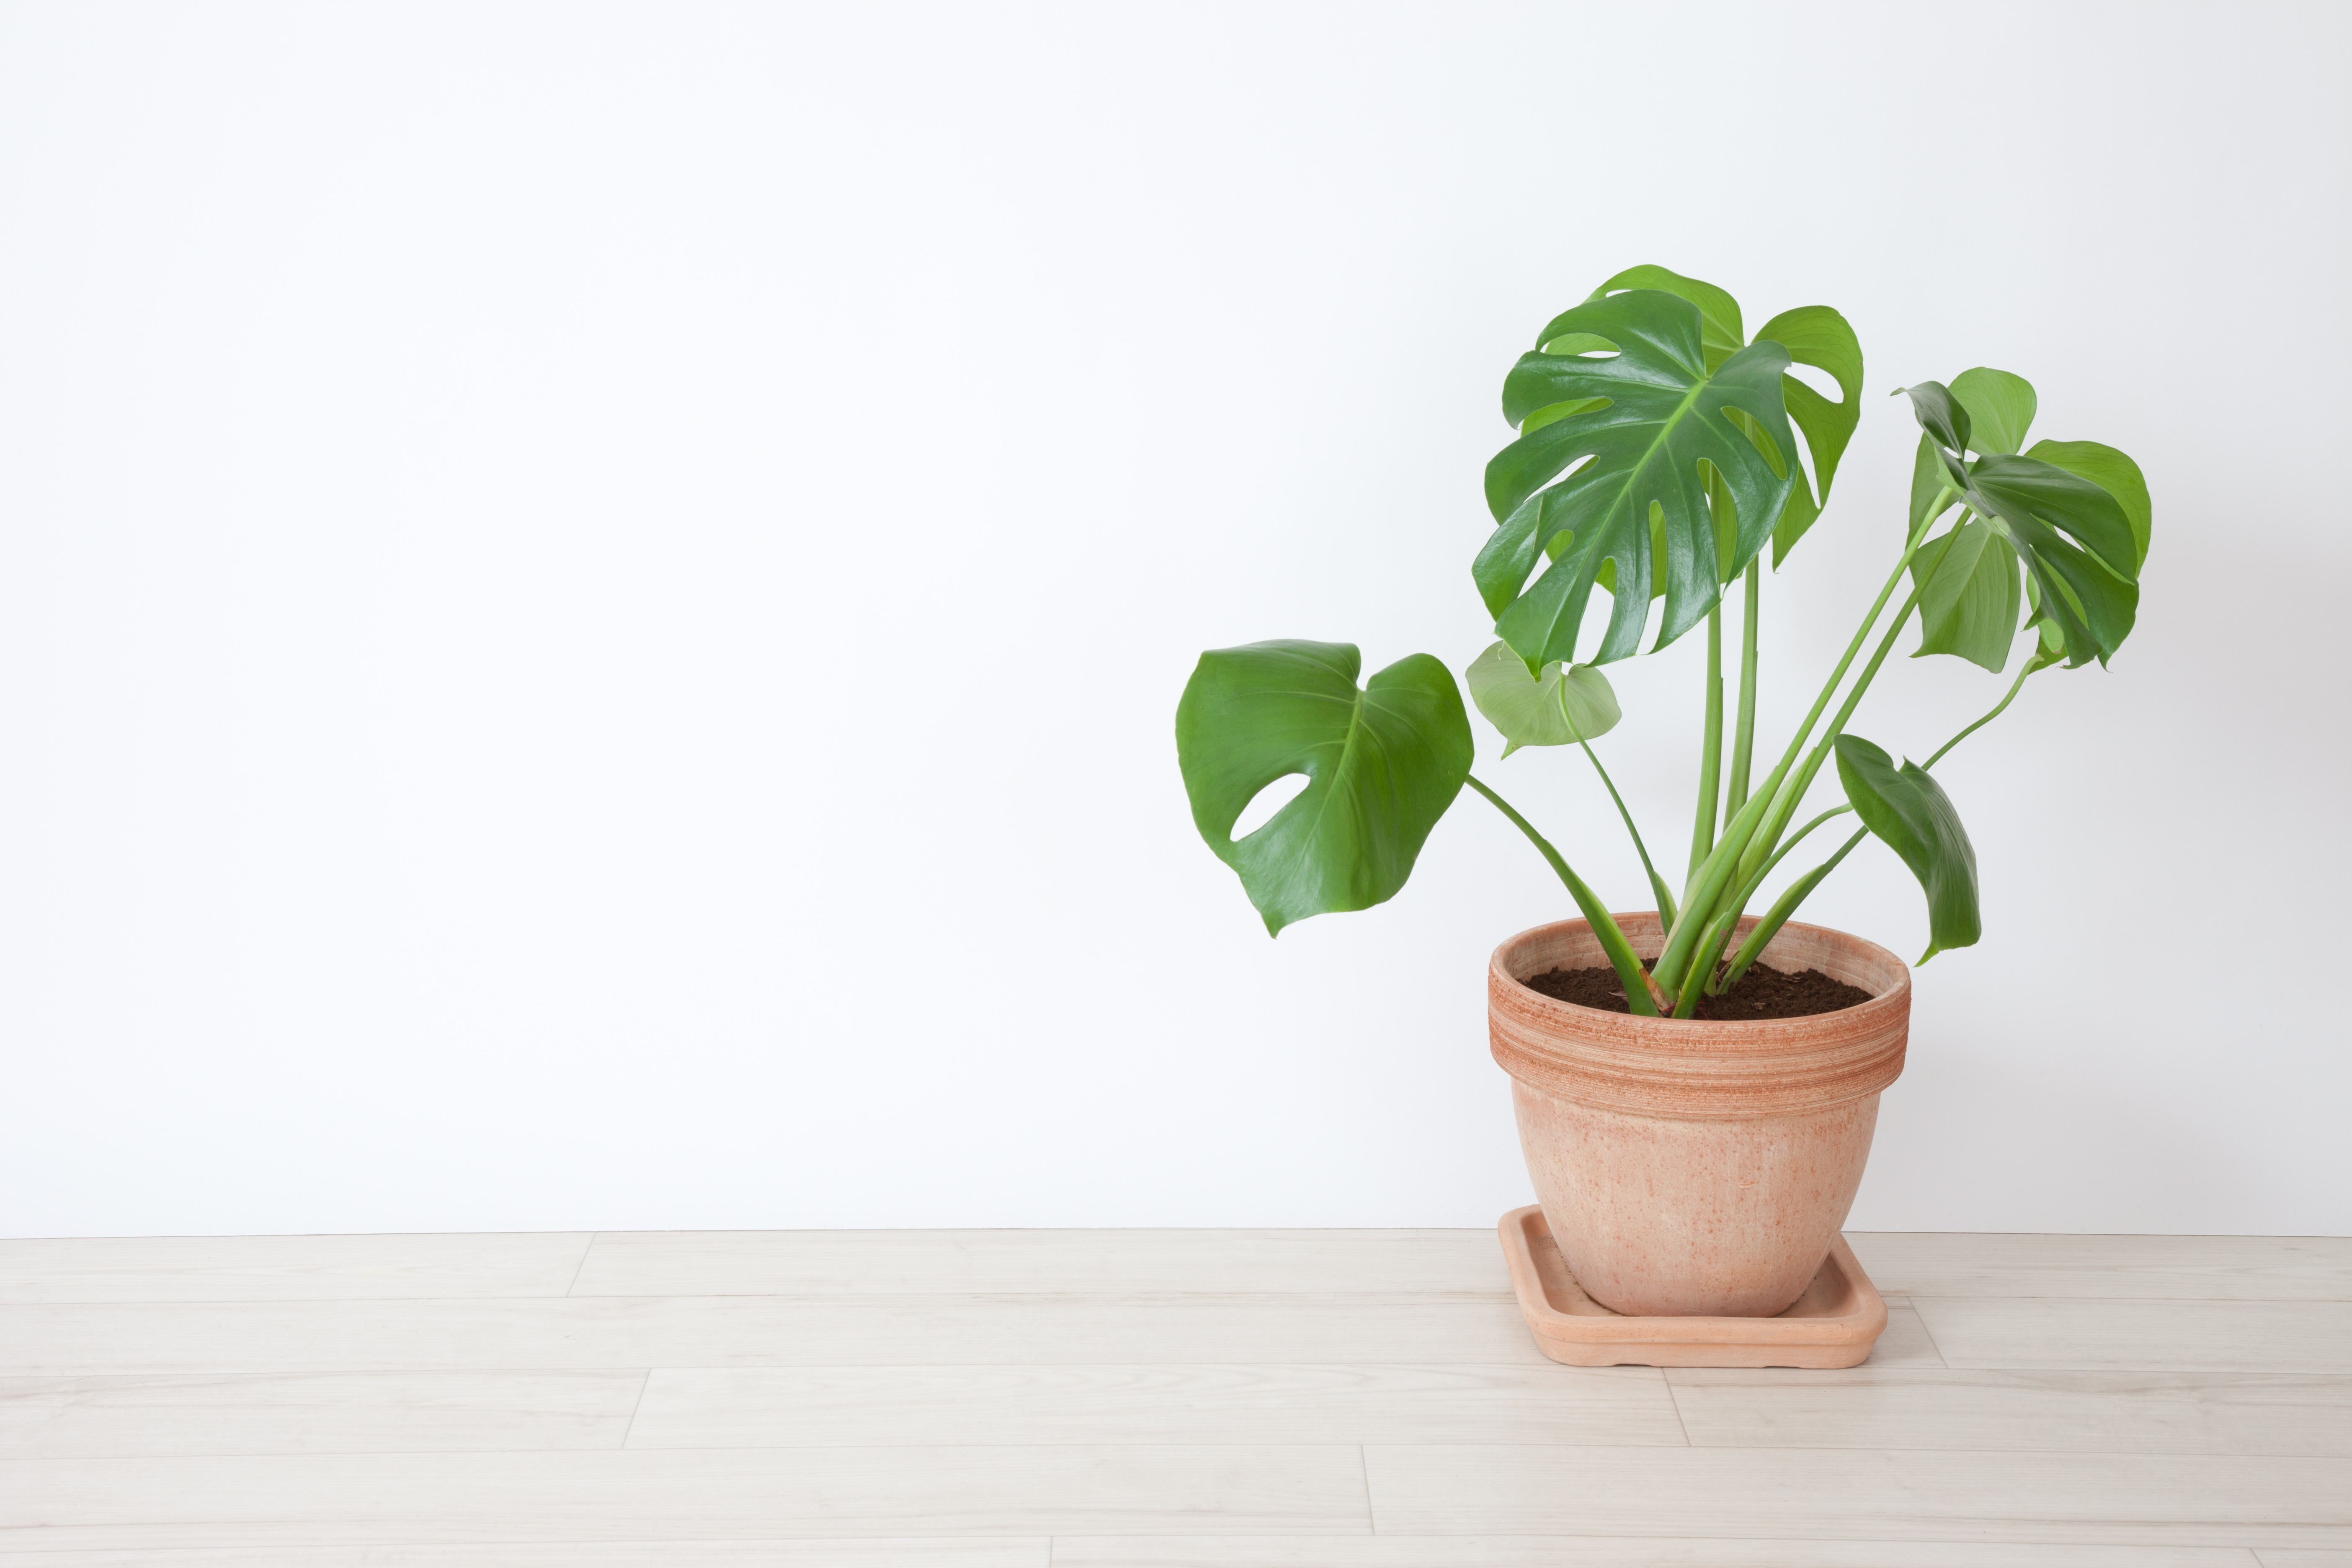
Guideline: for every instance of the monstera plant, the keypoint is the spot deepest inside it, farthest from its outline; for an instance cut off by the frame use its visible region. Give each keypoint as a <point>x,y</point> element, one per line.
<point>1658,451</point>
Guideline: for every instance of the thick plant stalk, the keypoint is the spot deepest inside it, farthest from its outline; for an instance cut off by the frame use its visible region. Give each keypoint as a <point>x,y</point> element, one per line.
<point>1710,754</point>
<point>1640,992</point>
<point>1716,877</point>
<point>1743,741</point>
<point>1686,999</point>
<point>1747,890</point>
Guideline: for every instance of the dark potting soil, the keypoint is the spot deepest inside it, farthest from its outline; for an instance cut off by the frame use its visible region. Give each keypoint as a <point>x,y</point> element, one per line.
<point>1763,991</point>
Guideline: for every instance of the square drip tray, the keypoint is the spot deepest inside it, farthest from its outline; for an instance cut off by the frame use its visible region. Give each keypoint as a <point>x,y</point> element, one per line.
<point>1833,1323</point>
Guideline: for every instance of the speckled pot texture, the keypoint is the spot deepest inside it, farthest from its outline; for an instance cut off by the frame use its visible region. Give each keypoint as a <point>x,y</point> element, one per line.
<point>1689,1167</point>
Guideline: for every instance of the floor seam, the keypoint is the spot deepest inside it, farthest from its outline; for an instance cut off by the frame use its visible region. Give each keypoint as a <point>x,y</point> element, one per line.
<point>582,1264</point>
<point>1678,1404</point>
<point>629,1429</point>
<point>1364,1468</point>
<point>1940,1359</point>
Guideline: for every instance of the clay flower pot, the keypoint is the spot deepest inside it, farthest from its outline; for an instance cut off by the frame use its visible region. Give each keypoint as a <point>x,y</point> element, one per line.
<point>1689,1167</point>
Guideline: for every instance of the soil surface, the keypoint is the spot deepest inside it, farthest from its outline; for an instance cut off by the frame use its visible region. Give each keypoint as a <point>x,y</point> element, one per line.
<point>1763,991</point>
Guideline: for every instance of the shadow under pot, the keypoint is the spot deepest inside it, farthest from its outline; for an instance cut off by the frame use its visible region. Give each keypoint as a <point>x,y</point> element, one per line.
<point>1688,1167</point>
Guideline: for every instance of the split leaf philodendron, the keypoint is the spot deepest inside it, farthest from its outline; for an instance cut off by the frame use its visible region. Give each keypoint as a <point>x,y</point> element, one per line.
<point>1657,452</point>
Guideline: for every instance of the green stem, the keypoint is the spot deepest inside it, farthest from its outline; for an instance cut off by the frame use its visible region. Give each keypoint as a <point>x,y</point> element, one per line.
<point>1686,999</point>
<point>1629,973</point>
<point>1666,913</point>
<point>1748,890</point>
<point>1713,878</point>
<point>1761,934</point>
<point>1710,754</point>
<point>2015,686</point>
<point>1791,796</point>
<point>1798,891</point>
<point>1743,743</point>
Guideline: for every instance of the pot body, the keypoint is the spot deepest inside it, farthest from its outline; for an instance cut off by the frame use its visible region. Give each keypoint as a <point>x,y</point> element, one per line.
<point>1688,1167</point>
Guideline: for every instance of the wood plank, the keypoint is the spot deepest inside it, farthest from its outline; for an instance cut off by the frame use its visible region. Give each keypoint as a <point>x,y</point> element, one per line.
<point>1874,1407</point>
<point>290,1268</point>
<point>620,1331</point>
<point>1613,1551</point>
<point>870,1551</point>
<point>2109,1268</point>
<point>1526,1402</point>
<point>1074,1262</point>
<point>2157,1500</point>
<point>296,1413</point>
<point>2140,1336</point>
<point>2275,1558</point>
<point>1904,1342</point>
<point>651,1495</point>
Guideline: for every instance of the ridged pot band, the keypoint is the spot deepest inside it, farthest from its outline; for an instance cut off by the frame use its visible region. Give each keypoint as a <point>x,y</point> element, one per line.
<point>1692,1068</point>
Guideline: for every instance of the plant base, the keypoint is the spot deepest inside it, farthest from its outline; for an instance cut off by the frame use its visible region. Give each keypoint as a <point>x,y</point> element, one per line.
<point>1833,1324</point>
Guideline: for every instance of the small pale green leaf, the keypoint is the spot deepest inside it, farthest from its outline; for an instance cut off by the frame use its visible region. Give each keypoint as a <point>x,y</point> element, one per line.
<point>2001,407</point>
<point>2113,472</point>
<point>1383,764</point>
<point>1550,709</point>
<point>1969,606</point>
<point>1909,810</point>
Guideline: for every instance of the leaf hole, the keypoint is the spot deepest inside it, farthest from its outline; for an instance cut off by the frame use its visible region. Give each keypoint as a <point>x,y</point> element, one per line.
<point>1582,345</point>
<point>1820,380</point>
<point>1267,802</point>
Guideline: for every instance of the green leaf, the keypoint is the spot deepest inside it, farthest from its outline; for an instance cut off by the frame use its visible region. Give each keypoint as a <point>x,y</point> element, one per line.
<point>1818,336</point>
<point>1929,479</point>
<point>2077,543</point>
<point>2001,405</point>
<point>1910,811</point>
<point>1554,709</point>
<point>1969,606</point>
<point>1383,764</point>
<point>1597,475</point>
<point>2113,472</point>
<point>1718,312</point>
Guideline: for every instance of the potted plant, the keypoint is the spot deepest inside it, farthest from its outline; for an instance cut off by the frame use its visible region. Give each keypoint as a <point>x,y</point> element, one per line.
<point>1695,1085</point>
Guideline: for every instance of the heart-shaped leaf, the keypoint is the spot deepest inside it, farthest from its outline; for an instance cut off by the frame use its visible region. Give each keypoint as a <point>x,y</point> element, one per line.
<point>1968,595</point>
<point>1554,709</point>
<point>2076,541</point>
<point>1601,475</point>
<point>1909,810</point>
<point>1382,763</point>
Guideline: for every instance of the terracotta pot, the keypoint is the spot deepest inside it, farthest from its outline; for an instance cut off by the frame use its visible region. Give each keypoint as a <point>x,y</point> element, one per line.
<point>1688,1167</point>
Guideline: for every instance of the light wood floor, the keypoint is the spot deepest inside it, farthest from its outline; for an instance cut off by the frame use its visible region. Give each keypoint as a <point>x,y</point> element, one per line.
<point>1142,1399</point>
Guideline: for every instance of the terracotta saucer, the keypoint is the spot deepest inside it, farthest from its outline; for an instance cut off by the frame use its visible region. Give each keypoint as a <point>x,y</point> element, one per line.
<point>1833,1323</point>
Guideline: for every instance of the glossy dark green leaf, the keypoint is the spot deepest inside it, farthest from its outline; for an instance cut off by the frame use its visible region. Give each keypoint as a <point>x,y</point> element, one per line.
<point>1383,762</point>
<point>1597,476</point>
<point>2001,407</point>
<point>1968,595</point>
<point>1718,312</point>
<point>1818,336</point>
<point>2113,472</point>
<point>2076,541</point>
<point>1909,810</point>
<point>1554,708</point>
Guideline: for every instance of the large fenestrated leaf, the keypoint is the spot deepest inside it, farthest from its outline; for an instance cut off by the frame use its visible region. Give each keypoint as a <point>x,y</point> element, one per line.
<point>2001,405</point>
<point>1555,707</point>
<point>2075,538</point>
<point>1654,415</point>
<point>1383,762</point>
<point>1909,810</point>
<point>1814,335</point>
<point>1818,336</point>
<point>2113,472</point>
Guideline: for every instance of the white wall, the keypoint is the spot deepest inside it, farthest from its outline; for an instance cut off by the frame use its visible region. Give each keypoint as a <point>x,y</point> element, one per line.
<point>593,598</point>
